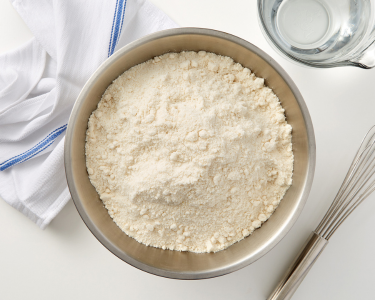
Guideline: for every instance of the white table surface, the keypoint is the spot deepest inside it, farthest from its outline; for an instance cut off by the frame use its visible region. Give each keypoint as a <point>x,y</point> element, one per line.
<point>65,261</point>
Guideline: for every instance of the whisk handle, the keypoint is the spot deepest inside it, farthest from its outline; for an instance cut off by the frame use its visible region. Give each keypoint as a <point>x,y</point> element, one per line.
<point>299,269</point>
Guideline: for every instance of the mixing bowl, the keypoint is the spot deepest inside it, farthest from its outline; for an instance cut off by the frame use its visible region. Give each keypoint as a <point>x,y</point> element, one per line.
<point>188,265</point>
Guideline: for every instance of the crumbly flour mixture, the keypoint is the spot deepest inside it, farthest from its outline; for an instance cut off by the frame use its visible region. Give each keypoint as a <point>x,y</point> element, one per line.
<point>189,152</point>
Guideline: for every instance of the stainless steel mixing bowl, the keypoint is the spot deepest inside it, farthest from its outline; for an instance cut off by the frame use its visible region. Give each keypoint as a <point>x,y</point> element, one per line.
<point>187,265</point>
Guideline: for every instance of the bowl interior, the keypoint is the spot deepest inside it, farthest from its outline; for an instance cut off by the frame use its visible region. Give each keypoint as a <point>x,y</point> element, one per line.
<point>187,265</point>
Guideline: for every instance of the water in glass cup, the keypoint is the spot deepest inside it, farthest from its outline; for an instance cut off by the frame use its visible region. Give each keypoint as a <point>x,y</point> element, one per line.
<point>321,33</point>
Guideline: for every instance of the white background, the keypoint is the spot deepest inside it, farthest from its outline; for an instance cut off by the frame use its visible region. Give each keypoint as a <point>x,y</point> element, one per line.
<point>65,261</point>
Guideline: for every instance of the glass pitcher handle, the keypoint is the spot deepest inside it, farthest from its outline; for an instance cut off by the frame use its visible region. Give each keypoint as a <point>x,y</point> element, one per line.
<point>366,59</point>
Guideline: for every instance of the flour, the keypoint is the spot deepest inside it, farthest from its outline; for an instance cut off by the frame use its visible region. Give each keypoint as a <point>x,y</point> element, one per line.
<point>189,152</point>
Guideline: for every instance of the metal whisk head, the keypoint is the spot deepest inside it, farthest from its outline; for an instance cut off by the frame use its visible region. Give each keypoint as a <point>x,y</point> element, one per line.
<point>358,184</point>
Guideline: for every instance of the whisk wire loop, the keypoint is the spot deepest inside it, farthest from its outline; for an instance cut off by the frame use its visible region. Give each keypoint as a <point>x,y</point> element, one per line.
<point>358,184</point>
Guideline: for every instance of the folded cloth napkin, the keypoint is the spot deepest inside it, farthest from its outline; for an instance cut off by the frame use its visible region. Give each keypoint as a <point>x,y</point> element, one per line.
<point>40,81</point>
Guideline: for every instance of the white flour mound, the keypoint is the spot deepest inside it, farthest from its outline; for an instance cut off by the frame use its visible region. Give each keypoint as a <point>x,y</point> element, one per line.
<point>189,152</point>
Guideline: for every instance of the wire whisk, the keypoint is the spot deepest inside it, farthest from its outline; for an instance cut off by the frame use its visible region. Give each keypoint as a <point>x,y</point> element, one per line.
<point>358,184</point>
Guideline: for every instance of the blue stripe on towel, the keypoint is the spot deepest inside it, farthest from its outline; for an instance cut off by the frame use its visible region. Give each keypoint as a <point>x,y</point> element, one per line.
<point>122,17</point>
<point>113,24</point>
<point>45,143</point>
<point>118,20</point>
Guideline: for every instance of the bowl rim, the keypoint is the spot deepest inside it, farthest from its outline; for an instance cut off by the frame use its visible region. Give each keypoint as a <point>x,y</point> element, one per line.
<point>74,192</point>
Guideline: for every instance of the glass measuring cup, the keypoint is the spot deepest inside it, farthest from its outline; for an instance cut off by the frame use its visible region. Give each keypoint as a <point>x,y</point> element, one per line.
<point>321,33</point>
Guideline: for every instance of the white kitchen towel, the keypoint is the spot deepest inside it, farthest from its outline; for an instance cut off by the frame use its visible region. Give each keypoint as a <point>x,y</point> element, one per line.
<point>40,82</point>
